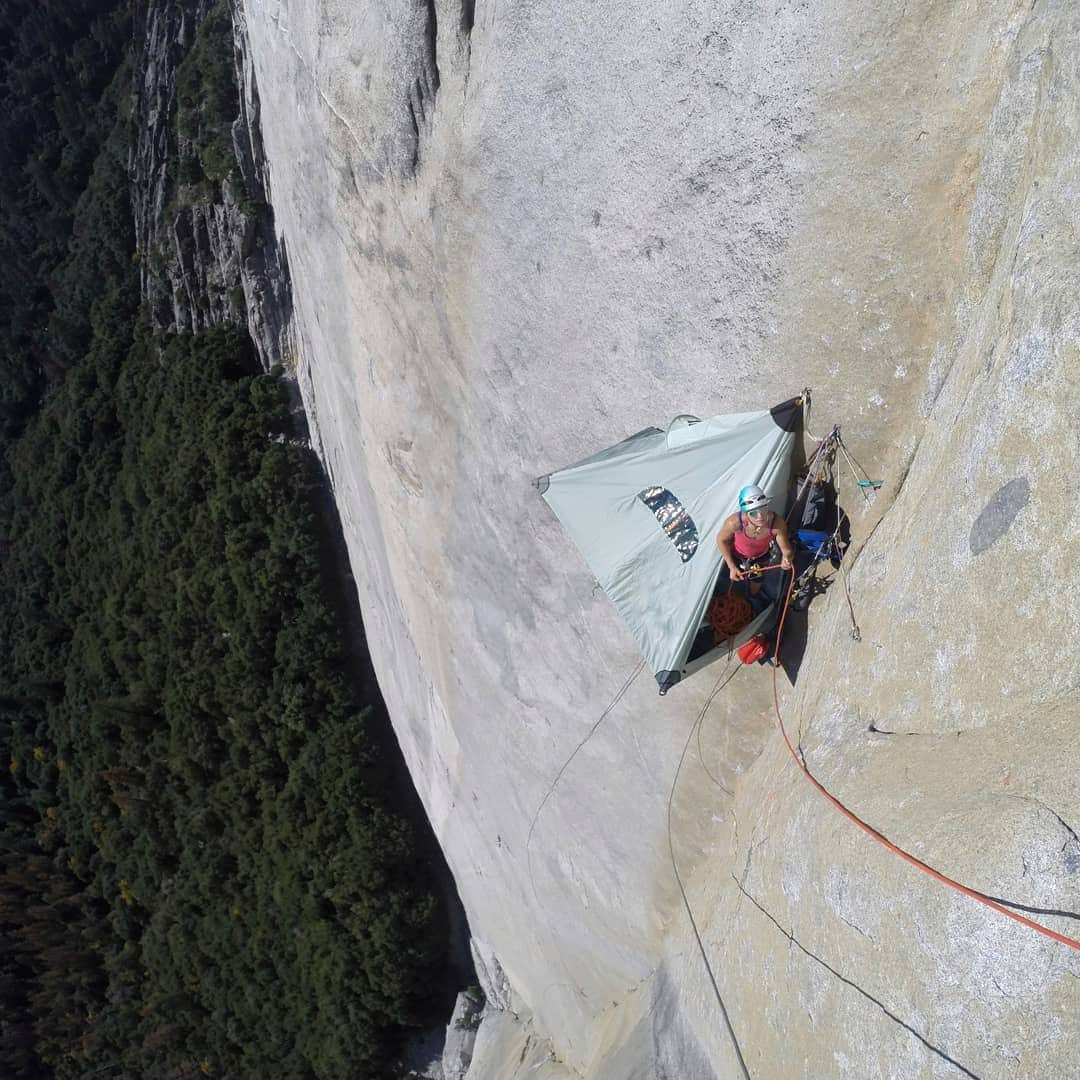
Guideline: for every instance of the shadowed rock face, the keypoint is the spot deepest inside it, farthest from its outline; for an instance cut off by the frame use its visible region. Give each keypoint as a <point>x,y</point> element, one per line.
<point>518,235</point>
<point>998,514</point>
<point>211,258</point>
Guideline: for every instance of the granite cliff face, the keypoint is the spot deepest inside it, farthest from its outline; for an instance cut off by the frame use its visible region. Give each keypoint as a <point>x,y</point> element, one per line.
<point>518,235</point>
<point>209,250</point>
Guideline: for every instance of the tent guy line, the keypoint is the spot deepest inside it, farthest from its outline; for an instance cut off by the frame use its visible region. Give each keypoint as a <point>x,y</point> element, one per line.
<point>566,764</point>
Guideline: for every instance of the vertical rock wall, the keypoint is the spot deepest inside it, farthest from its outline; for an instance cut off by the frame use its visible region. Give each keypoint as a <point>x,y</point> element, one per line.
<point>519,234</point>
<point>209,251</point>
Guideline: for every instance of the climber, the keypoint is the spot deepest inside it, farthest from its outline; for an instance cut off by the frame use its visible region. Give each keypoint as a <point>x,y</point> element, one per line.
<point>746,538</point>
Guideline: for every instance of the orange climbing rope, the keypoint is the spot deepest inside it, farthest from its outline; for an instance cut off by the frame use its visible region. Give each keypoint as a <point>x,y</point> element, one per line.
<point>870,830</point>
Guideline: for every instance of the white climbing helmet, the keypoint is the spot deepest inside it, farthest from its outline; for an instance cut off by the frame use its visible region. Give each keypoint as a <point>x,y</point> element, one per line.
<point>752,497</point>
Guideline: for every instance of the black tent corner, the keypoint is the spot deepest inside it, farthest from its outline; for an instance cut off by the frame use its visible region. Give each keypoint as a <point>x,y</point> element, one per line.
<point>667,679</point>
<point>788,414</point>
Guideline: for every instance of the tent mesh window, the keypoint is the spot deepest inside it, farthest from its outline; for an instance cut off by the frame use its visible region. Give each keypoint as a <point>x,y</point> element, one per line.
<point>674,520</point>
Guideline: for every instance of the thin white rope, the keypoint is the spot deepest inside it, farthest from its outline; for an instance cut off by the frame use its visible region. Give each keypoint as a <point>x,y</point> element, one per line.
<point>855,473</point>
<point>566,764</point>
<point>856,635</point>
<point>807,397</point>
<point>809,476</point>
<point>719,685</point>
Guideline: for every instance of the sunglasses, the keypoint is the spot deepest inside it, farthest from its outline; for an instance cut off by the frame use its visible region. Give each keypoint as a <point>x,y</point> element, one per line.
<point>760,512</point>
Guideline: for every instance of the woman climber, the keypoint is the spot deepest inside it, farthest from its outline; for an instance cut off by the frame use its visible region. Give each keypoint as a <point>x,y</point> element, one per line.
<point>746,538</point>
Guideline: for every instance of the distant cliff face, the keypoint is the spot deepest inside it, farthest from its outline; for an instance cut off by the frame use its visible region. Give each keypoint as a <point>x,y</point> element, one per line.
<point>208,247</point>
<point>518,235</point>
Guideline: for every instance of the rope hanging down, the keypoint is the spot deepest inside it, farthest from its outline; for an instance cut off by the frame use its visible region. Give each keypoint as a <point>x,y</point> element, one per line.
<point>856,635</point>
<point>721,682</point>
<point>880,837</point>
<point>566,764</point>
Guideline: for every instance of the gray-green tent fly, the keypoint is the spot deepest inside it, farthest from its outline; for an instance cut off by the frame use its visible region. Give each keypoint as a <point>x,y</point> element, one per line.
<point>645,514</point>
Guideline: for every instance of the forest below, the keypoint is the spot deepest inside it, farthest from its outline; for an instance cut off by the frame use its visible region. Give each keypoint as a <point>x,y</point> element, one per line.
<point>207,865</point>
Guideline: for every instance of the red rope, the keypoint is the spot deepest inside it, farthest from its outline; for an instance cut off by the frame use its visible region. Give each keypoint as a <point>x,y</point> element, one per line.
<point>871,831</point>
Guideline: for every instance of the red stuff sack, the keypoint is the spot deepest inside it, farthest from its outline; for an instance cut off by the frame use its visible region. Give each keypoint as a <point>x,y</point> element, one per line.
<point>750,652</point>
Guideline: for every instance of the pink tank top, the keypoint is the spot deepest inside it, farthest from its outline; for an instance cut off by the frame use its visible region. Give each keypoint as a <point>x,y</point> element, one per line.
<point>752,547</point>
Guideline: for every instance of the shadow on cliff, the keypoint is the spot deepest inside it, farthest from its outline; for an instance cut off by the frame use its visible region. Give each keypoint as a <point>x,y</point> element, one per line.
<point>793,646</point>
